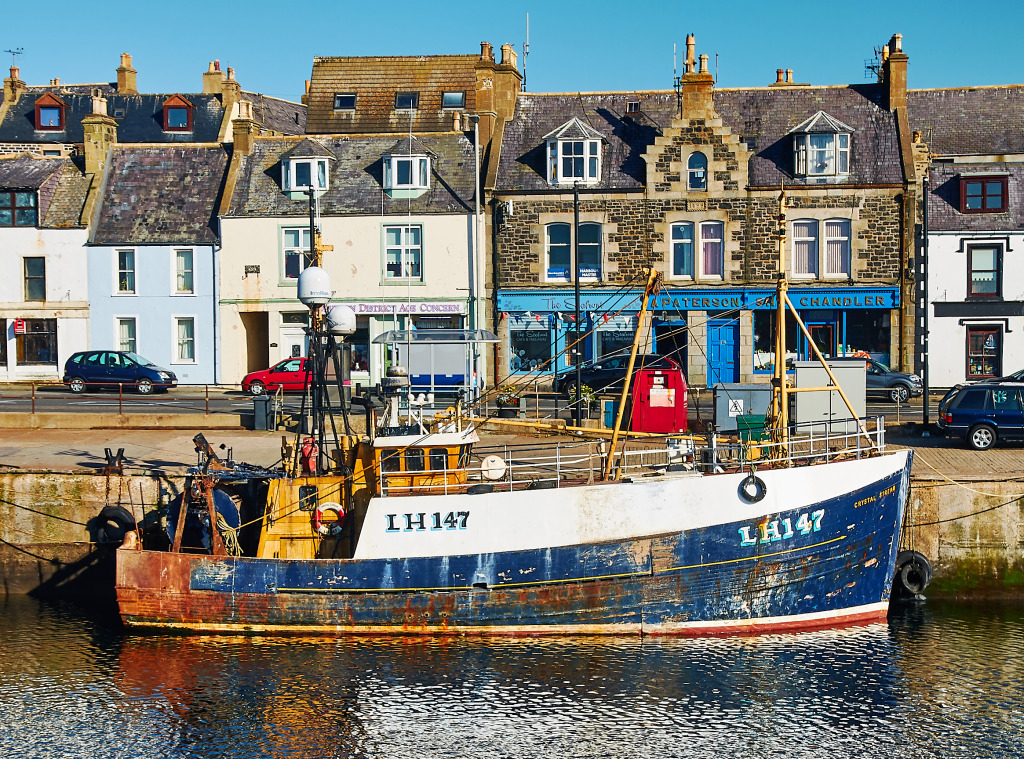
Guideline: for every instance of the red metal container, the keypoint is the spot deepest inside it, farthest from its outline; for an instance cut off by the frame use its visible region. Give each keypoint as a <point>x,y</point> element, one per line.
<point>659,401</point>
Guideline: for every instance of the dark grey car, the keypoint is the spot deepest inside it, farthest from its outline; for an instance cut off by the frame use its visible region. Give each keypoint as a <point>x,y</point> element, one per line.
<point>898,387</point>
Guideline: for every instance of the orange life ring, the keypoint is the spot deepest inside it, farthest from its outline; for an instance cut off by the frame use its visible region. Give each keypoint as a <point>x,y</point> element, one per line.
<point>330,528</point>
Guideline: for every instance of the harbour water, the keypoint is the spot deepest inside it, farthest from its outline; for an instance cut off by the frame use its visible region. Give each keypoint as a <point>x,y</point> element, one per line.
<point>937,681</point>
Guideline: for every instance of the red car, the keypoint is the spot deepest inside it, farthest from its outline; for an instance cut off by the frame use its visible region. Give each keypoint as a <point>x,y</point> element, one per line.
<point>289,374</point>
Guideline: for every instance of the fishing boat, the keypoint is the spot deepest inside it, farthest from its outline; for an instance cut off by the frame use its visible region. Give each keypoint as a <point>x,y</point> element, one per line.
<point>414,527</point>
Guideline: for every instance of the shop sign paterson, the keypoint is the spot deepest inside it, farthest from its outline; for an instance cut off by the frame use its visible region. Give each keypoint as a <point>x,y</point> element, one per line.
<point>408,307</point>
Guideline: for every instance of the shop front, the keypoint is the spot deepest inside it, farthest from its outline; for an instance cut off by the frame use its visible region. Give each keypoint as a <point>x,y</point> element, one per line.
<point>718,335</point>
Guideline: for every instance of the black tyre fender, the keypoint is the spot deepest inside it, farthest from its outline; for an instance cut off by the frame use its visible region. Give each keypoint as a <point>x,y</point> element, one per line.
<point>480,489</point>
<point>752,489</point>
<point>114,523</point>
<point>913,572</point>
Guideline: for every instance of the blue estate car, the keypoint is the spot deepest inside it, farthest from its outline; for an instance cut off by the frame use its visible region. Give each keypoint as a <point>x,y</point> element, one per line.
<point>111,369</point>
<point>983,413</point>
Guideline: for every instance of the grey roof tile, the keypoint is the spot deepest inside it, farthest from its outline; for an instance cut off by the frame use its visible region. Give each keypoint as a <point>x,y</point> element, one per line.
<point>969,120</point>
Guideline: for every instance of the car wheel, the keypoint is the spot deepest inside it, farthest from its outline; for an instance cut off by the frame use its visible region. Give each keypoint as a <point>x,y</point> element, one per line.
<point>144,386</point>
<point>76,385</point>
<point>257,388</point>
<point>899,394</point>
<point>981,437</point>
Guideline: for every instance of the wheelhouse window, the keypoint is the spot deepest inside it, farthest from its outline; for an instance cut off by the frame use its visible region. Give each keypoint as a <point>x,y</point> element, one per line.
<point>403,252</point>
<point>406,172</point>
<point>984,352</point>
<point>984,272</point>
<point>682,249</point>
<point>697,172</point>
<point>18,209</point>
<point>184,283</point>
<point>35,278</point>
<point>38,345</point>
<point>126,272</point>
<point>344,101</point>
<point>303,173</point>
<point>983,194</point>
<point>177,114</point>
<point>295,250</point>
<point>712,249</point>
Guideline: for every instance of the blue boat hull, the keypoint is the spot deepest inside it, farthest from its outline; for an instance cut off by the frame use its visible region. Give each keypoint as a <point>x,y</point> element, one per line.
<point>821,565</point>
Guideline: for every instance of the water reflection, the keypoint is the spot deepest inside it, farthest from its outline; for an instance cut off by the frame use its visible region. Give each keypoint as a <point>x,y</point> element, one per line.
<point>935,682</point>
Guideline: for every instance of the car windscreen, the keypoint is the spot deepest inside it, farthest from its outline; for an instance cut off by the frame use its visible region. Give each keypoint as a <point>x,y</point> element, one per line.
<point>139,359</point>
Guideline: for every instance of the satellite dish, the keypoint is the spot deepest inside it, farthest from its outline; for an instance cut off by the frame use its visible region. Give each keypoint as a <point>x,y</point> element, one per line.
<point>314,287</point>
<point>341,320</point>
<point>493,467</point>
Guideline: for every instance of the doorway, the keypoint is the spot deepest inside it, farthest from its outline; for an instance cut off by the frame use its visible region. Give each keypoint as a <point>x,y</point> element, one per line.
<point>723,351</point>
<point>256,325</point>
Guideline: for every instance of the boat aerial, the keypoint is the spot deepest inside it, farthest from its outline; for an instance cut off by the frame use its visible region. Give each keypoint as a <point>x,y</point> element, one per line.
<point>414,527</point>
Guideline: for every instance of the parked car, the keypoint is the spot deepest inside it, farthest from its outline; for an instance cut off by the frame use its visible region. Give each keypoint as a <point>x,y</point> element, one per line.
<point>983,413</point>
<point>289,374</point>
<point>111,369</point>
<point>1017,376</point>
<point>898,387</point>
<point>607,372</point>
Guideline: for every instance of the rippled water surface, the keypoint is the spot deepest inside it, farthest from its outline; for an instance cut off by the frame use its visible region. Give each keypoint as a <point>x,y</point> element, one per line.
<point>937,681</point>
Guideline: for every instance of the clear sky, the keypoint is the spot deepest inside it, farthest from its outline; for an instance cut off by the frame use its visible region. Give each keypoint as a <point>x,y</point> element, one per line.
<point>577,46</point>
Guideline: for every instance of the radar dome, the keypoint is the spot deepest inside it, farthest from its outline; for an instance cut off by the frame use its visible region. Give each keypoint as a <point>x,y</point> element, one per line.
<point>314,287</point>
<point>341,320</point>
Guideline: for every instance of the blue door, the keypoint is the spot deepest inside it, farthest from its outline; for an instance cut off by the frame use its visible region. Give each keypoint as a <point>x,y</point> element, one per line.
<point>723,351</point>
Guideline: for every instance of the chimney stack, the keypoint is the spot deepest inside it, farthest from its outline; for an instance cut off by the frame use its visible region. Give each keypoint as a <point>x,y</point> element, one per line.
<point>508,56</point>
<point>696,86</point>
<point>126,76</point>
<point>244,129</point>
<point>13,87</point>
<point>305,95</point>
<point>486,52</point>
<point>894,72</point>
<point>213,79</point>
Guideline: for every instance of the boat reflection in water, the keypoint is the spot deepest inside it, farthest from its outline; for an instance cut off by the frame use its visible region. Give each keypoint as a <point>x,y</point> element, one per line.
<point>933,682</point>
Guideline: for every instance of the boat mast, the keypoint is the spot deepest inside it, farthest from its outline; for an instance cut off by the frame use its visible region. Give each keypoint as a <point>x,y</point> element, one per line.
<point>653,278</point>
<point>780,398</point>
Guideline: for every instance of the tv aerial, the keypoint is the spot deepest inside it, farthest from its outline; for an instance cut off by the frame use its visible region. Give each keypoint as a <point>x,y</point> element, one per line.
<point>14,53</point>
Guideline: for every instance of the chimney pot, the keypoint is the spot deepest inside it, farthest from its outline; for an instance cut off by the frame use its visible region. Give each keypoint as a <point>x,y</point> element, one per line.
<point>231,74</point>
<point>789,76</point>
<point>778,76</point>
<point>209,70</point>
<point>703,63</point>
<point>486,52</point>
<point>885,53</point>
<point>307,86</point>
<point>216,64</point>
<point>508,55</point>
<point>15,72</point>
<point>690,47</point>
<point>126,60</point>
<point>897,43</point>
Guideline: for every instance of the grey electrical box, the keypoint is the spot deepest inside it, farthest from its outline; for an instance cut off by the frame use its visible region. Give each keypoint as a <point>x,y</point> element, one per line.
<point>733,401</point>
<point>827,406</point>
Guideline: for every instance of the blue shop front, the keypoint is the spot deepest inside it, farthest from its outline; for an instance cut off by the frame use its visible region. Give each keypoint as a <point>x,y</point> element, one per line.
<point>718,334</point>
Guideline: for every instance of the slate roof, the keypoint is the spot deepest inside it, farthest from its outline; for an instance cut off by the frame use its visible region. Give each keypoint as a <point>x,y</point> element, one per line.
<point>944,198</point>
<point>59,183</point>
<point>281,116</point>
<point>376,80</point>
<point>161,195</point>
<point>142,120</point>
<point>762,117</point>
<point>969,120</point>
<point>356,179</point>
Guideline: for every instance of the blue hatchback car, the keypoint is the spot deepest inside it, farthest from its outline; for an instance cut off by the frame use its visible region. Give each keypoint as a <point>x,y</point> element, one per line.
<point>110,369</point>
<point>983,413</point>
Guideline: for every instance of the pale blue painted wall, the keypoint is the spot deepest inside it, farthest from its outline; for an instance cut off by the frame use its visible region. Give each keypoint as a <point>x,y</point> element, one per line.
<point>154,305</point>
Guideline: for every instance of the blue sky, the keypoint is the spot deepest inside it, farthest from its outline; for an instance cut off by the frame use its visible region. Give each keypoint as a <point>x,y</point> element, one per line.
<point>582,46</point>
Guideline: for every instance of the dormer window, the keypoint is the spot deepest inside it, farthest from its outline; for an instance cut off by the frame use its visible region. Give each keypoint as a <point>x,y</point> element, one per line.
<point>407,101</point>
<point>821,147</point>
<point>50,111</point>
<point>177,114</point>
<point>302,173</point>
<point>983,194</point>
<point>406,172</point>
<point>574,154</point>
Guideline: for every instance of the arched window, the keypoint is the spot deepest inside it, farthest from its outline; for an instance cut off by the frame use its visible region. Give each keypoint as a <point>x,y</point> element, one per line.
<point>697,172</point>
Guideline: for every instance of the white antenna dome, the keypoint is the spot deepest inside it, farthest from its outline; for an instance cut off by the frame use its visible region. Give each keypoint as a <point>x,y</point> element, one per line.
<point>341,320</point>
<point>314,287</point>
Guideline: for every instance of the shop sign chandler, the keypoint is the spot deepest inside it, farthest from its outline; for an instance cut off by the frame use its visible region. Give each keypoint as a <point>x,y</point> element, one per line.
<point>425,308</point>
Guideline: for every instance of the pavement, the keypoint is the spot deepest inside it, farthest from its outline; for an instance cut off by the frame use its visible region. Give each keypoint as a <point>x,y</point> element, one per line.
<point>171,451</point>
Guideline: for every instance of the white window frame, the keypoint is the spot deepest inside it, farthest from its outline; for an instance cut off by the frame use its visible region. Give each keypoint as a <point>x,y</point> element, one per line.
<point>410,254</point>
<point>584,153</point>
<point>302,250</point>
<point>704,240</point>
<point>840,237</point>
<point>681,239</point>
<point>808,236</point>
<point>319,174</point>
<point>120,272</point>
<point>696,174</point>
<point>570,267</point>
<point>835,152</point>
<point>176,320</point>
<point>419,172</point>
<point>176,272</point>
<point>121,344</point>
